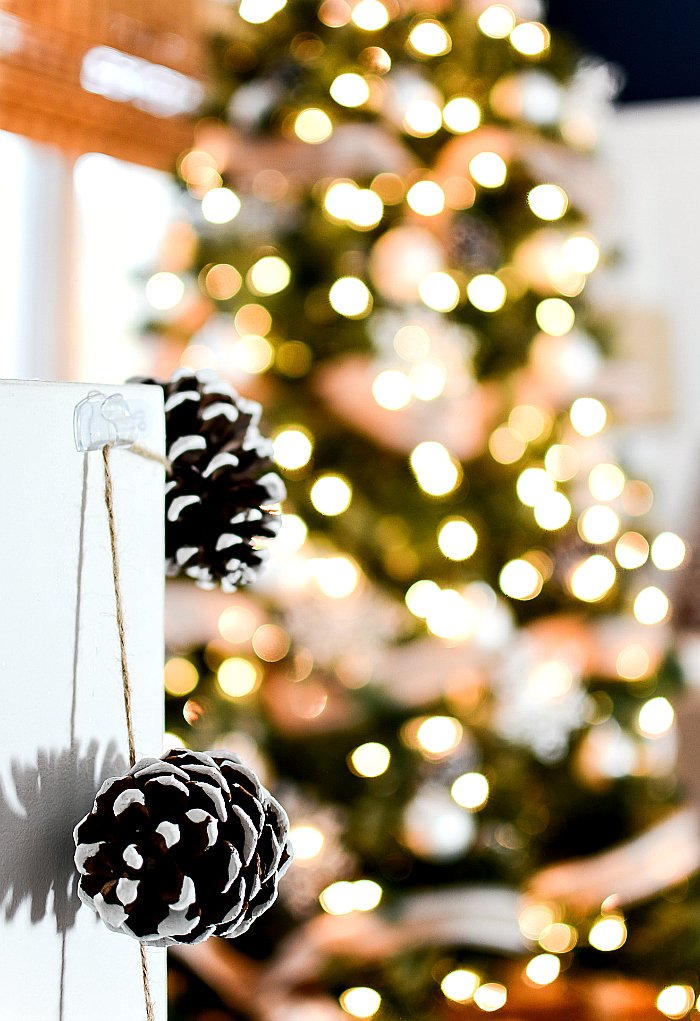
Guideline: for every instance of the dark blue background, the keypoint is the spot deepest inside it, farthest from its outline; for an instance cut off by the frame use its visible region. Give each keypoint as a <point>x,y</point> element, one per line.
<point>655,42</point>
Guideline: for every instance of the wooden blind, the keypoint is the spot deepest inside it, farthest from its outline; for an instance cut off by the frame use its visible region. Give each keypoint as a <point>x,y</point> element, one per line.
<point>45,46</point>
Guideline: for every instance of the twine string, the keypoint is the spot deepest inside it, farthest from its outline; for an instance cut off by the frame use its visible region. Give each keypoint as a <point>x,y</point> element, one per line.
<point>126,681</point>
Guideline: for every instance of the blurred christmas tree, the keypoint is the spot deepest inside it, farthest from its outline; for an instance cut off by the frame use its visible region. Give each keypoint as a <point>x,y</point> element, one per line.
<point>456,672</point>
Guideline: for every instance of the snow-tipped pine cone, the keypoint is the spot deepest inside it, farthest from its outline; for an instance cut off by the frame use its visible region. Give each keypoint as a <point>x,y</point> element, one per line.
<point>182,848</point>
<point>217,495</point>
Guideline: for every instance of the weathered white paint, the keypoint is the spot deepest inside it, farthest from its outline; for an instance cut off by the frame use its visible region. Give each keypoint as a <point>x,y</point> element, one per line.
<point>61,706</point>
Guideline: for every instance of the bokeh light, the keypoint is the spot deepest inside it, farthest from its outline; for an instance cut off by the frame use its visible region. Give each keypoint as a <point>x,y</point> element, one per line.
<point>655,716</point>
<point>606,481</point>
<point>421,596</point>
<point>555,316</point>
<point>533,484</point>
<point>593,579</point>
<point>430,39</point>
<point>552,511</point>
<point>530,38</point>
<point>331,495</point>
<point>543,969</point>
<point>253,354</point>
<point>435,471</point>
<point>528,420</point>
<point>349,90</point>
<point>237,624</point>
<point>269,275</point>
<point>360,1001</point>
<point>392,389</point>
<point>450,615</point>
<point>222,281</point>
<point>471,790</point>
<point>427,381</point>
<point>667,551</point>
<point>608,933</point>
<point>461,115</point>
<point>651,605</point>
<point>534,919</point>
<point>497,21</point>
<point>292,534</point>
<point>506,445</point>
<point>460,985</point>
<point>632,662</point>
<point>675,1001</point>
<point>439,734</point>
<point>561,462</point>
<point>488,169</point>
<point>180,677</point>
<point>238,677</point>
<point>486,292</point>
<point>292,448</point>
<point>370,15</point>
<point>439,291</point>
<point>550,679</point>
<point>520,580</point>
<point>164,290</point>
<point>558,938</point>
<point>548,201</point>
<point>220,205</point>
<point>457,539</point>
<point>337,577</point>
<point>631,550</point>
<point>426,198</point>
<point>598,524</point>
<point>422,118</point>
<point>313,126</point>
<point>343,897</point>
<point>306,841</point>
<point>491,996</point>
<point>350,297</point>
<point>581,253</point>
<point>256,12</point>
<point>587,416</point>
<point>271,643</point>
<point>370,759</point>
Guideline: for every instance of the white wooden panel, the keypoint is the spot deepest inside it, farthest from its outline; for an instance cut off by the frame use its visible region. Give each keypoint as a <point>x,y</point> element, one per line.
<point>62,721</point>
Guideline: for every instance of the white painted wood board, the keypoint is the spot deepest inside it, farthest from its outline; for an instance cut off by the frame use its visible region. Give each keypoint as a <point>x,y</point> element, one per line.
<point>62,719</point>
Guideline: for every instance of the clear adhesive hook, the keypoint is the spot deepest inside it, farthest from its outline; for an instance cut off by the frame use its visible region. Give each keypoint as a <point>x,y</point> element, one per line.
<point>99,420</point>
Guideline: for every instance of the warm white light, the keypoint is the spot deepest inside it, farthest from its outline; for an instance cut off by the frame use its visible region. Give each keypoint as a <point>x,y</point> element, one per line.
<point>450,615</point>
<point>421,596</point>
<point>533,919</point>
<point>608,933</point>
<point>543,969</point>
<point>631,550</point>
<point>667,551</point>
<point>655,716</point>
<point>341,898</point>
<point>650,606</point>
<point>486,292</point>
<point>368,894</point>
<point>313,126</point>
<point>520,580</point>
<point>461,115</point>
<point>371,759</point>
<point>561,462</point>
<point>606,481</point>
<point>439,734</point>
<point>435,471</point>
<point>552,511</point>
<point>307,841</point>
<point>581,254</point>
<point>593,578</point>
<point>370,15</point>
<point>392,389</point>
<point>253,354</point>
<point>548,201</point>
<point>675,1001</point>
<point>292,449</point>
<point>439,291</point>
<point>350,297</point>
<point>360,1001</point>
<point>180,677</point>
<point>269,275</point>
<point>349,90</point>
<point>292,534</point>
<point>497,21</point>
<point>237,677</point>
<point>430,38</point>
<point>551,679</point>
<point>555,316</point>
<point>220,205</point>
<point>598,524</point>
<point>412,343</point>
<point>256,12</point>
<point>491,996</point>
<point>339,199</point>
<point>427,381</point>
<point>365,209</point>
<point>533,484</point>
<point>471,790</point>
<point>587,416</point>
<point>558,938</point>
<point>337,577</point>
<point>164,290</point>
<point>423,118</point>
<point>506,445</point>
<point>426,198</point>
<point>457,539</point>
<point>632,662</point>
<point>488,169</point>
<point>530,38</point>
<point>331,495</point>
<point>222,281</point>
<point>527,420</point>
<point>460,985</point>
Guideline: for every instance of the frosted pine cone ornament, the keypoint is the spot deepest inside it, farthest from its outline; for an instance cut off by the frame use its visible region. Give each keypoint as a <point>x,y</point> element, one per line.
<point>182,848</point>
<point>219,497</point>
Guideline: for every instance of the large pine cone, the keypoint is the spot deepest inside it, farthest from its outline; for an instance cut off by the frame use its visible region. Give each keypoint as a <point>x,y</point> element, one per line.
<point>216,498</point>
<point>181,848</point>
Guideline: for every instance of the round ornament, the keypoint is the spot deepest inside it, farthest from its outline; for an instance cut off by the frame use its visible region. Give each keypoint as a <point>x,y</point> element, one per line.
<point>217,500</point>
<point>182,848</point>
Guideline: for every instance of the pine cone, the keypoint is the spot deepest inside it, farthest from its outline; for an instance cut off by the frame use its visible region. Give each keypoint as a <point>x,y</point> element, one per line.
<point>216,498</point>
<point>182,847</point>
